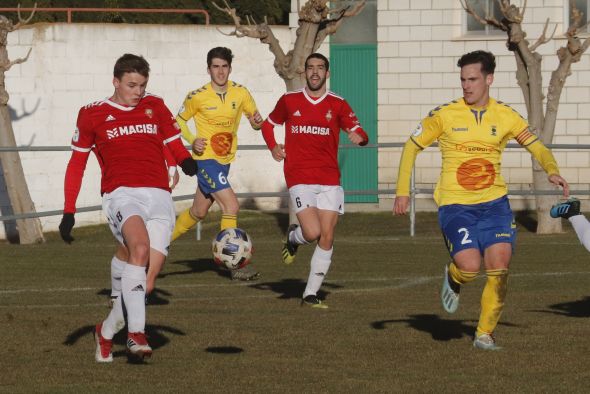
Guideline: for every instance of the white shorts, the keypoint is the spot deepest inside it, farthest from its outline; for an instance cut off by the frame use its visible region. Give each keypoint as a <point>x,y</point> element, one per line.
<point>329,198</point>
<point>153,205</point>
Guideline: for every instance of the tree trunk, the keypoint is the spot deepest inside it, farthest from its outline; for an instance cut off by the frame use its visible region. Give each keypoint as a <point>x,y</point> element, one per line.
<point>545,223</point>
<point>29,229</point>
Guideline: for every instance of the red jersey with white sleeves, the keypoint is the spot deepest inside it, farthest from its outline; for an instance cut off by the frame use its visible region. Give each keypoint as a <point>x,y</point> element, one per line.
<point>128,144</point>
<point>312,128</point>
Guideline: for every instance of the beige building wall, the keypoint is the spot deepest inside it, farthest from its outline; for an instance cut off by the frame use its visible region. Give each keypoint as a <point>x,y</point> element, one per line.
<point>419,43</point>
<point>71,65</point>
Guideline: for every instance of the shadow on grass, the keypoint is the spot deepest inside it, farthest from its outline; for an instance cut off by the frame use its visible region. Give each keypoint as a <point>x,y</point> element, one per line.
<point>439,329</point>
<point>579,308</point>
<point>196,267</point>
<point>282,220</point>
<point>527,219</point>
<point>224,349</point>
<point>156,334</point>
<point>291,288</point>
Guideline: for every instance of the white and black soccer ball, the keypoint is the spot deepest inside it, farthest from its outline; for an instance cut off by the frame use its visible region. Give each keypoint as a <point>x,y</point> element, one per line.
<point>232,248</point>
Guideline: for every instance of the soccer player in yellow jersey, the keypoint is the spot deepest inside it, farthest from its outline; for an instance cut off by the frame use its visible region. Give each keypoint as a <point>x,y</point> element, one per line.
<point>474,212</point>
<point>216,109</point>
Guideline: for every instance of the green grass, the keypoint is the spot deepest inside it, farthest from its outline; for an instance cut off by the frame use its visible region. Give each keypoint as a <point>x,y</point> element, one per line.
<point>385,330</point>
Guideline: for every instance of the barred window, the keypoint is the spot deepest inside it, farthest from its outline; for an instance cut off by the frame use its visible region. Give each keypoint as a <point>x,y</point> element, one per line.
<point>582,6</point>
<point>483,8</point>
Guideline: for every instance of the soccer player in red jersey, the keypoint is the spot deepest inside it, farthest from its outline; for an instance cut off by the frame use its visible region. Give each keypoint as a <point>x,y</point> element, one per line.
<point>313,118</point>
<point>126,131</point>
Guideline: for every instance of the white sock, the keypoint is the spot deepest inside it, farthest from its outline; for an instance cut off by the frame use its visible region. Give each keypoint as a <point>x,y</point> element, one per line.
<point>582,227</point>
<point>320,263</point>
<point>296,237</point>
<point>115,321</point>
<point>117,267</point>
<point>133,283</point>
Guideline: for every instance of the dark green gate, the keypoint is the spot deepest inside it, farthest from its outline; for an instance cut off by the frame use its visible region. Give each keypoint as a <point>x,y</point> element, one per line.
<point>354,76</point>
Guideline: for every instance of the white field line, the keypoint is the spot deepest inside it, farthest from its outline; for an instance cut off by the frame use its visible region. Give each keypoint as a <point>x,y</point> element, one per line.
<point>406,282</point>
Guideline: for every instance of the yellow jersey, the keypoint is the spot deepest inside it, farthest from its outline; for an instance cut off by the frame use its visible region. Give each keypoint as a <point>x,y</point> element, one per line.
<point>471,141</point>
<point>217,117</point>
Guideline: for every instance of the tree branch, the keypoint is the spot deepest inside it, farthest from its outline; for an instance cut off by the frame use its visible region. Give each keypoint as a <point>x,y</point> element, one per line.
<point>543,38</point>
<point>22,21</point>
<point>7,66</point>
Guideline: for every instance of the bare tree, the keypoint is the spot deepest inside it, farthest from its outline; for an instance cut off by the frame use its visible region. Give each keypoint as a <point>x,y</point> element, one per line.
<point>29,229</point>
<point>528,75</point>
<point>316,22</point>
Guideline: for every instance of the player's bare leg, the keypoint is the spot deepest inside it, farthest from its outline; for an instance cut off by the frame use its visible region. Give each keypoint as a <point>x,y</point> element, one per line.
<point>463,269</point>
<point>188,218</point>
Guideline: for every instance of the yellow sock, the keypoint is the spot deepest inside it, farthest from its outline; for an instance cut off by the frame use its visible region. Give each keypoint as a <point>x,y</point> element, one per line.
<point>492,301</point>
<point>459,276</point>
<point>229,221</point>
<point>184,222</point>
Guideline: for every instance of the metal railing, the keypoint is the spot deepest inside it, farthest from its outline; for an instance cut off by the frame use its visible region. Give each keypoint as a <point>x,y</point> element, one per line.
<point>70,10</point>
<point>414,191</point>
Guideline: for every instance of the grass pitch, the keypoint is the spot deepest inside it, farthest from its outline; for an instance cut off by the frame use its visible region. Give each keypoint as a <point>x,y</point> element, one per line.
<point>385,330</point>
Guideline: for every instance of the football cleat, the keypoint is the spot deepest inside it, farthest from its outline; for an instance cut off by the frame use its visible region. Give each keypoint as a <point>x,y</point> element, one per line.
<point>566,209</point>
<point>485,342</point>
<point>289,248</point>
<point>103,346</point>
<point>448,296</point>
<point>313,301</point>
<point>245,273</point>
<point>138,346</point>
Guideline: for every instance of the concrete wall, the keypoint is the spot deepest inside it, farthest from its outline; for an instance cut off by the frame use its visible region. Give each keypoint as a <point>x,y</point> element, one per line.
<point>420,42</point>
<point>71,65</point>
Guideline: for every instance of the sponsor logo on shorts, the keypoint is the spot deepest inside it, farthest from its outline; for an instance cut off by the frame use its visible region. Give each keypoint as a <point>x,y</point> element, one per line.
<point>502,235</point>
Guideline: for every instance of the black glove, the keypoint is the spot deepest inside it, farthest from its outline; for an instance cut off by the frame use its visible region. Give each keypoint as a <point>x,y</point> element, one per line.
<point>189,167</point>
<point>65,227</point>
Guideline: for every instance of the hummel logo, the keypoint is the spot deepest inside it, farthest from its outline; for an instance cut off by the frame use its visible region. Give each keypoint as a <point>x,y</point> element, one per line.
<point>109,118</point>
<point>138,288</point>
<point>297,113</point>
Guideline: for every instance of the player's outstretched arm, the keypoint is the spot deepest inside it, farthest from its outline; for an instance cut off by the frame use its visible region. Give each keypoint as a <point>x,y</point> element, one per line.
<point>558,180</point>
<point>72,185</point>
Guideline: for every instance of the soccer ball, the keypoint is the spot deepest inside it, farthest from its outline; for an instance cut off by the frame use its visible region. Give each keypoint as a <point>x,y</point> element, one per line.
<point>232,248</point>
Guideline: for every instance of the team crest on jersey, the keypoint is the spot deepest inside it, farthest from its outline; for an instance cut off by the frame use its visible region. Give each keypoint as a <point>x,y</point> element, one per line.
<point>149,113</point>
<point>233,105</point>
<point>329,115</point>
<point>418,130</point>
<point>493,131</point>
<point>76,136</point>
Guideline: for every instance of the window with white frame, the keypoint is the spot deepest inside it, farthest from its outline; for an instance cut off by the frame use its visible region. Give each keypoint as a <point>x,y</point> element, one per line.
<point>483,8</point>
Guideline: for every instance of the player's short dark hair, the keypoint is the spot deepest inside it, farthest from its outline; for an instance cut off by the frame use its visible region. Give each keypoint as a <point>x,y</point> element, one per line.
<point>219,53</point>
<point>318,56</point>
<point>129,63</point>
<point>486,59</point>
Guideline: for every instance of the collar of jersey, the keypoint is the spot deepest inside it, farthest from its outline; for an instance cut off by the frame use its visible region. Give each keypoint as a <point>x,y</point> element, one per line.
<point>316,101</point>
<point>473,107</point>
<point>118,106</point>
